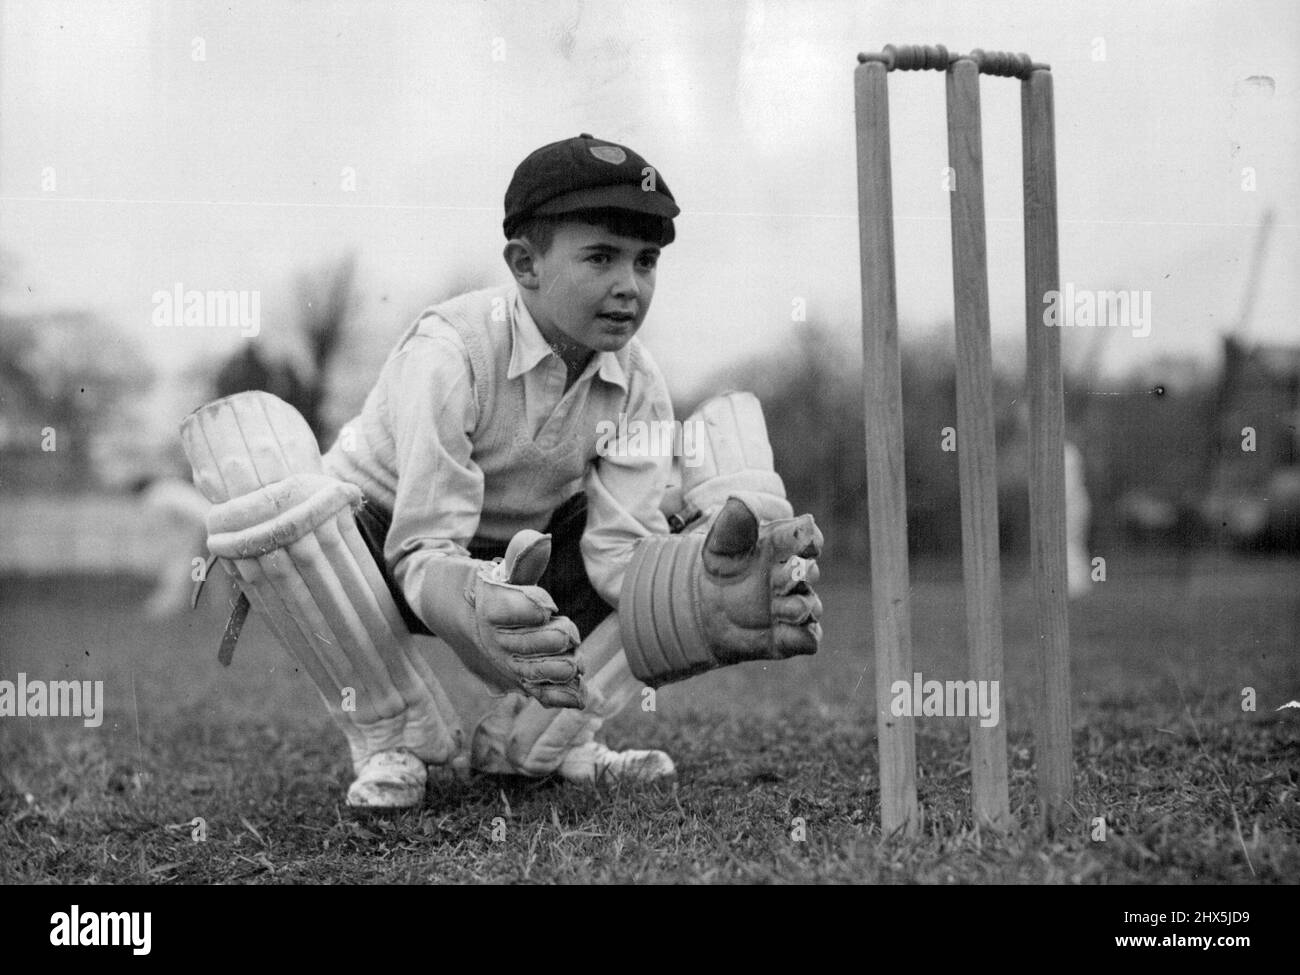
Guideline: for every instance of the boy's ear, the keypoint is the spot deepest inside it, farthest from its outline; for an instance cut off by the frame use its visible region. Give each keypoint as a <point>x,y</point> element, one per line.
<point>521,261</point>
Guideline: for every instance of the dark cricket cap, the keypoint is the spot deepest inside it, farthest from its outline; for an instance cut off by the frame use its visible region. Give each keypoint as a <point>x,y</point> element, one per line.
<point>586,173</point>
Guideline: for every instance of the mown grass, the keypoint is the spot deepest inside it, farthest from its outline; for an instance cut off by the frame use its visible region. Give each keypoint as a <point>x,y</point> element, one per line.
<point>1193,788</point>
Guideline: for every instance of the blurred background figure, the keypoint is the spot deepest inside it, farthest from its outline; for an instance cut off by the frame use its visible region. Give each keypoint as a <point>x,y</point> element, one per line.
<point>175,512</point>
<point>1078,514</point>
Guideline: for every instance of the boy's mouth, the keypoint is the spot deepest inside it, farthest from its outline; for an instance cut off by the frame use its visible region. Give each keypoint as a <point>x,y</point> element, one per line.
<point>620,318</point>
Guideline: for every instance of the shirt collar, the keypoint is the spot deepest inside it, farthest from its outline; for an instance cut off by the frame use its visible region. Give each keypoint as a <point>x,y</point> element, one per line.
<point>529,348</point>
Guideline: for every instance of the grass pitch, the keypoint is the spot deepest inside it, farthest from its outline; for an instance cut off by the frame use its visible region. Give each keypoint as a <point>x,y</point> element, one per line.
<point>777,769</point>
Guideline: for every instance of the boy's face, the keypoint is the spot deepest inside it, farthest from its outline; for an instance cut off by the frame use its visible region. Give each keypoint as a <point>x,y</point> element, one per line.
<point>594,286</point>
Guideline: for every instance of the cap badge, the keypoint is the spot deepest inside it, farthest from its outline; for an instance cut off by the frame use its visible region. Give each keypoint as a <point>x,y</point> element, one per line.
<point>609,154</point>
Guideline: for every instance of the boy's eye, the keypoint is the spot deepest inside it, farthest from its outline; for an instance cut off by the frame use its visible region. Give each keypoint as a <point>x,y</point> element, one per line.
<point>598,258</point>
<point>649,261</point>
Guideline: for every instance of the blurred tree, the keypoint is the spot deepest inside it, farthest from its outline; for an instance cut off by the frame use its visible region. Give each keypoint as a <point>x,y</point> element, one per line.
<point>248,369</point>
<point>67,371</point>
<point>812,397</point>
<point>809,401</point>
<point>326,297</point>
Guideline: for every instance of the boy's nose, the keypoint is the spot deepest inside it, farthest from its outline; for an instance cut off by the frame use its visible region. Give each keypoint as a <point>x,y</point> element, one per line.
<point>626,285</point>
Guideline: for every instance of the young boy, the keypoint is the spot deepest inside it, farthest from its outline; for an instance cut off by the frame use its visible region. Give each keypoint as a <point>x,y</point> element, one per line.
<point>496,516</point>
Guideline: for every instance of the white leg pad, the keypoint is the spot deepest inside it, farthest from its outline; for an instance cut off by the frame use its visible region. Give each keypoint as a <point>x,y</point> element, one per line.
<point>523,737</point>
<point>733,455</point>
<point>288,532</point>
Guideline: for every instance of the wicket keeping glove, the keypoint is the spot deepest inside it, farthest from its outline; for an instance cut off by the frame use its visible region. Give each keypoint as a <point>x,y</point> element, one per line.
<point>743,591</point>
<point>502,625</point>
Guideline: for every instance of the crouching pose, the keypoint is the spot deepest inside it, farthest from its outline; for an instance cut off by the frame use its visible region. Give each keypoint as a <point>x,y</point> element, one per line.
<point>508,489</point>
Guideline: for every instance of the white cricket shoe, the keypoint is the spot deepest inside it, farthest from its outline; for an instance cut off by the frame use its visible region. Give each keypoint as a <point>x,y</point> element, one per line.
<point>594,762</point>
<point>393,779</point>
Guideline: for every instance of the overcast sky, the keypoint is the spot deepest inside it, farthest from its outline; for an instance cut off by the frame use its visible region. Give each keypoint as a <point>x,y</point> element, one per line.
<point>225,172</point>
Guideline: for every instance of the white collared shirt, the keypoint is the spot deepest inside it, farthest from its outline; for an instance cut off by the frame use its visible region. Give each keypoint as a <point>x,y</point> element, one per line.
<point>420,447</point>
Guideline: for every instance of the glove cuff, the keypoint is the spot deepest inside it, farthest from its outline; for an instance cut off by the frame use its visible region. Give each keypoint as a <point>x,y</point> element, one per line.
<point>660,617</point>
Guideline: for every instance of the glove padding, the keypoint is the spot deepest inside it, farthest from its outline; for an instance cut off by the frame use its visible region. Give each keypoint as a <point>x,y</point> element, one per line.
<point>502,625</point>
<point>694,602</point>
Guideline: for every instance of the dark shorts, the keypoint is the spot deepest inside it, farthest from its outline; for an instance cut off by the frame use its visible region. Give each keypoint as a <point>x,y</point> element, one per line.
<point>565,577</point>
